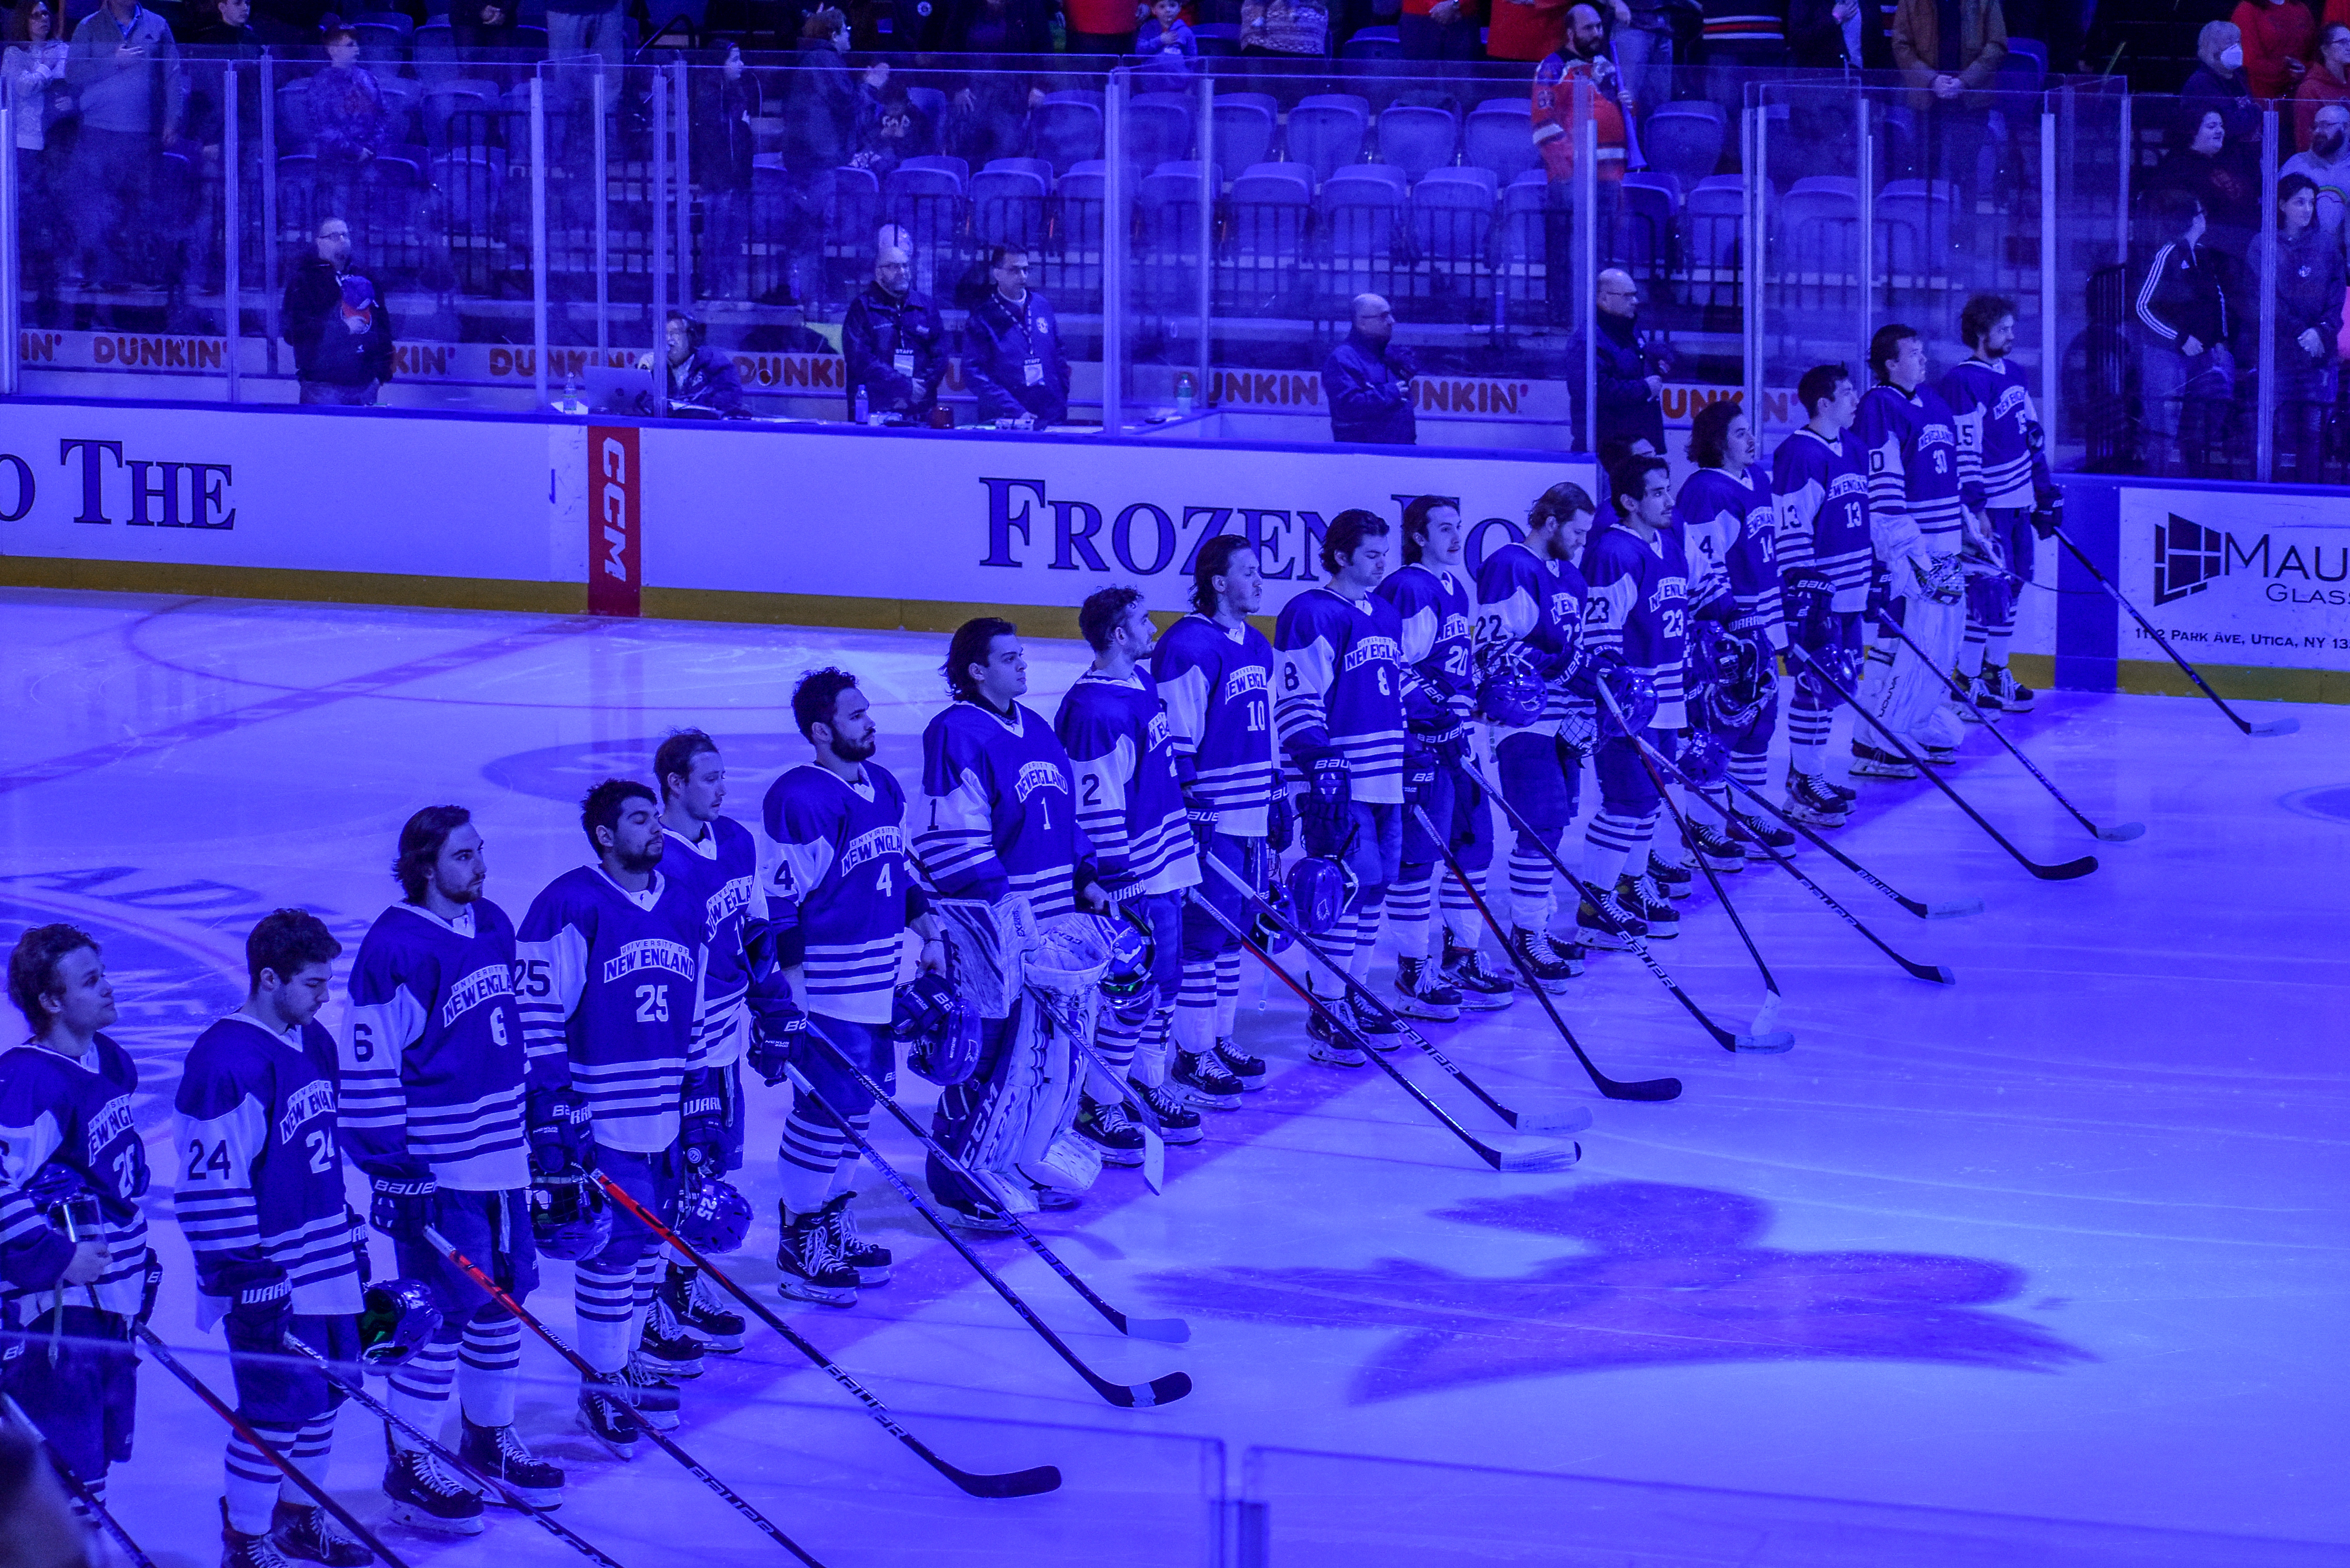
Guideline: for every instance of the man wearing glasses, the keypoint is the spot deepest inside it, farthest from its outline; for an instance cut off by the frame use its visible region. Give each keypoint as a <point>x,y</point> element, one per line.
<point>1012,350</point>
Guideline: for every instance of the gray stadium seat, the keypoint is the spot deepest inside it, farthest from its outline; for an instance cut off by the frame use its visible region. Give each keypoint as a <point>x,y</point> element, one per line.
<point>1417,138</point>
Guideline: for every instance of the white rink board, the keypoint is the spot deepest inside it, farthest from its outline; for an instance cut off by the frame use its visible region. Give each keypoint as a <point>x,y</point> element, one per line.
<point>2239,577</point>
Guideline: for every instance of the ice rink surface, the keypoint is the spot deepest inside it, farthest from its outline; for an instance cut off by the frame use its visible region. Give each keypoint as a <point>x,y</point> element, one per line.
<point>2062,1244</point>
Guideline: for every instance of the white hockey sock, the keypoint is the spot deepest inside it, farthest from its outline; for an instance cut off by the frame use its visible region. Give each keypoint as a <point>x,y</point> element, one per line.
<point>1408,903</point>
<point>251,1481</point>
<point>1995,648</point>
<point>308,1451</point>
<point>1151,1051</point>
<point>1366,936</point>
<point>418,1393</point>
<point>843,1175</point>
<point>1607,845</point>
<point>1750,769</point>
<point>811,1149</point>
<point>489,1369</point>
<point>1228,992</point>
<point>1531,877</point>
<point>604,1306</point>
<point>1462,921</point>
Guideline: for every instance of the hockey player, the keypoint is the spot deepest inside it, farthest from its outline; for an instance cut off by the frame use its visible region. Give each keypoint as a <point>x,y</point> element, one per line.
<point>998,827</point>
<point>1215,675</point>
<point>76,1279</point>
<point>1531,600</point>
<point>1339,711</point>
<point>1430,592</point>
<point>260,1198</point>
<point>1918,474</point>
<point>718,861</point>
<point>1639,614</point>
<point>611,958</point>
<point>1726,518</point>
<point>1819,482</point>
<point>433,1069</point>
<point>1998,423</point>
<point>1130,804</point>
<point>833,851</point>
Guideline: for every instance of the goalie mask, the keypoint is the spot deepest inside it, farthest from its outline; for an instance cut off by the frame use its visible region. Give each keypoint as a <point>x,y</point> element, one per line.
<point>397,1319</point>
<point>711,1217</point>
<point>938,1029</point>
<point>570,1217</point>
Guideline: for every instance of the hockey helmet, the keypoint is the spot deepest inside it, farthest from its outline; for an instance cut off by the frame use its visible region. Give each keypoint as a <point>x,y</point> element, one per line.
<point>59,1192</point>
<point>570,1217</point>
<point>1512,696</point>
<point>1636,700</point>
<point>1840,662</point>
<point>1320,891</point>
<point>1128,984</point>
<point>1704,758</point>
<point>711,1216</point>
<point>1742,671</point>
<point>1698,659</point>
<point>397,1319</point>
<point>1271,928</point>
<point>939,1027</point>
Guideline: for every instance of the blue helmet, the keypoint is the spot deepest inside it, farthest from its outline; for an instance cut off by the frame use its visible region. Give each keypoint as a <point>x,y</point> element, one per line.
<point>398,1318</point>
<point>1636,696</point>
<point>711,1216</point>
<point>939,1028</point>
<point>1705,758</point>
<point>570,1217</point>
<point>1128,984</point>
<point>1320,891</point>
<point>1511,697</point>
<point>1270,929</point>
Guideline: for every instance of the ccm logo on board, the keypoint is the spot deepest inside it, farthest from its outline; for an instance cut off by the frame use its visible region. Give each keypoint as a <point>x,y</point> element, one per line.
<point>156,494</point>
<point>615,516</point>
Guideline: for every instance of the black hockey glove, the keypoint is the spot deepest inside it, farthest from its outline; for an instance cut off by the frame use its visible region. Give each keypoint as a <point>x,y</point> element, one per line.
<point>360,1253</point>
<point>778,1040</point>
<point>1280,824</point>
<point>261,1303</point>
<point>1448,739</point>
<point>1325,810</point>
<point>1200,817</point>
<point>404,1190</point>
<point>562,1135</point>
<point>2048,516</point>
<point>703,1132</point>
<point>1418,776</point>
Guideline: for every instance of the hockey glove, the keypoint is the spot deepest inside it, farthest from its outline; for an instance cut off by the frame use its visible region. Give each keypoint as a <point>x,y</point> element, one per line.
<point>1325,811</point>
<point>779,1039</point>
<point>1280,824</point>
<point>404,1190</point>
<point>261,1304</point>
<point>1418,776</point>
<point>1200,818</point>
<point>702,1133</point>
<point>562,1135</point>
<point>2048,516</point>
<point>1449,739</point>
<point>358,1234</point>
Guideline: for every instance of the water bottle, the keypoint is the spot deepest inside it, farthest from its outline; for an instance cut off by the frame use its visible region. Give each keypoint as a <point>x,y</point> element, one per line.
<point>864,406</point>
<point>571,402</point>
<point>1183,396</point>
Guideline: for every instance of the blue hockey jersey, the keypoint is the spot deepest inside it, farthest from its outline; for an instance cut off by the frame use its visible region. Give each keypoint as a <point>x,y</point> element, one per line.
<point>77,1114</point>
<point>1342,686</point>
<point>260,1176</point>
<point>432,1048</point>
<point>1525,599</point>
<point>1639,611</point>
<point>836,853</point>
<point>1729,519</point>
<point>721,869</point>
<point>1217,684</point>
<point>612,1000</point>
<point>999,815</point>
<point>1122,751</point>
<point>1997,424</point>
<point>1917,472</point>
<point>1822,493</point>
<point>1439,642</point>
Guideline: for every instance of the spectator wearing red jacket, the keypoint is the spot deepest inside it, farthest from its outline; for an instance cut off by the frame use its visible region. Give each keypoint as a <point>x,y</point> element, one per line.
<point>2278,36</point>
<point>1440,30</point>
<point>1101,27</point>
<point>1531,29</point>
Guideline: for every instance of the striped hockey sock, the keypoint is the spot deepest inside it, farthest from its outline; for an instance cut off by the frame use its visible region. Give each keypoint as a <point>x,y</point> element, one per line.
<point>1228,992</point>
<point>1409,901</point>
<point>419,1392</point>
<point>251,1481</point>
<point>489,1368</point>
<point>1530,877</point>
<point>810,1150</point>
<point>1461,922</point>
<point>308,1451</point>
<point>1607,845</point>
<point>1750,769</point>
<point>605,1301</point>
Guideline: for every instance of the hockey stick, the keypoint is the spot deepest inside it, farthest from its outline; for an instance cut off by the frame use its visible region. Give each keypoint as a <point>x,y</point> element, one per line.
<point>544,1518</point>
<point>1166,1330</point>
<point>1522,1157</point>
<point>1015,1483</point>
<point>2063,873</point>
<point>1639,948</point>
<point>2284,726</point>
<point>1941,973</point>
<point>75,1485</point>
<point>1550,1120</point>
<point>2120,834</point>
<point>1163,1390</point>
<point>244,1428</point>
<point>662,1440</point>
<point>1146,1122</point>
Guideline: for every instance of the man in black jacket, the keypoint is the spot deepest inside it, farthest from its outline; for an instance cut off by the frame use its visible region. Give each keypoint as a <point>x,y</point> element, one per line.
<point>337,323</point>
<point>1631,369</point>
<point>701,382</point>
<point>1368,380</point>
<point>895,343</point>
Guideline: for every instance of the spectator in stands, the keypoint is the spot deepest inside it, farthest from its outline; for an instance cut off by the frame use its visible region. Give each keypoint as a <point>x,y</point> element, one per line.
<point>2329,83</point>
<point>1631,367</point>
<point>1643,43</point>
<point>1583,55</point>
<point>697,379</point>
<point>2218,80</point>
<point>2186,367</point>
<point>725,101</point>
<point>824,107</point>
<point>1525,29</point>
<point>1012,349</point>
<point>1941,62</point>
<point>894,342</point>
<point>1824,34</point>
<point>34,67</point>
<point>337,323</point>
<point>348,123</point>
<point>230,28</point>
<point>480,32</point>
<point>888,140</point>
<point>2326,165</point>
<point>1166,39</point>
<point>124,68</point>
<point>1438,30</point>
<point>2305,322</point>
<point>989,117</point>
<point>581,29</point>
<point>1368,380</point>
<point>2220,178</point>
<point>2276,35</point>
<point>1286,27</point>
<point>1742,37</point>
<point>1100,27</point>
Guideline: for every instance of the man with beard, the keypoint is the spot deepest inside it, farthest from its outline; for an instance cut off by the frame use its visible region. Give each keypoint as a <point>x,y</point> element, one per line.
<point>2327,165</point>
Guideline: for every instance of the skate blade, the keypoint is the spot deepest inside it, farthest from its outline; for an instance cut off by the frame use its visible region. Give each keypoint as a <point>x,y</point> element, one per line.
<point>1531,1159</point>
<point>431,1523</point>
<point>2122,832</point>
<point>1550,1120</point>
<point>1165,1330</point>
<point>1954,908</point>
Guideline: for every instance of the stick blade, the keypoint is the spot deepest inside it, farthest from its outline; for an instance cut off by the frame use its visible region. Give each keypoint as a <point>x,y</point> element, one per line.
<point>1157,1391</point>
<point>1165,1330</point>
<point>2068,871</point>
<point>1544,1119</point>
<point>1941,973</point>
<point>1031,1482</point>
<point>1529,1159</point>
<point>1649,1090</point>
<point>2275,727</point>
<point>1954,908</point>
<point>1771,1045</point>
<point>1154,1160</point>
<point>2122,832</point>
